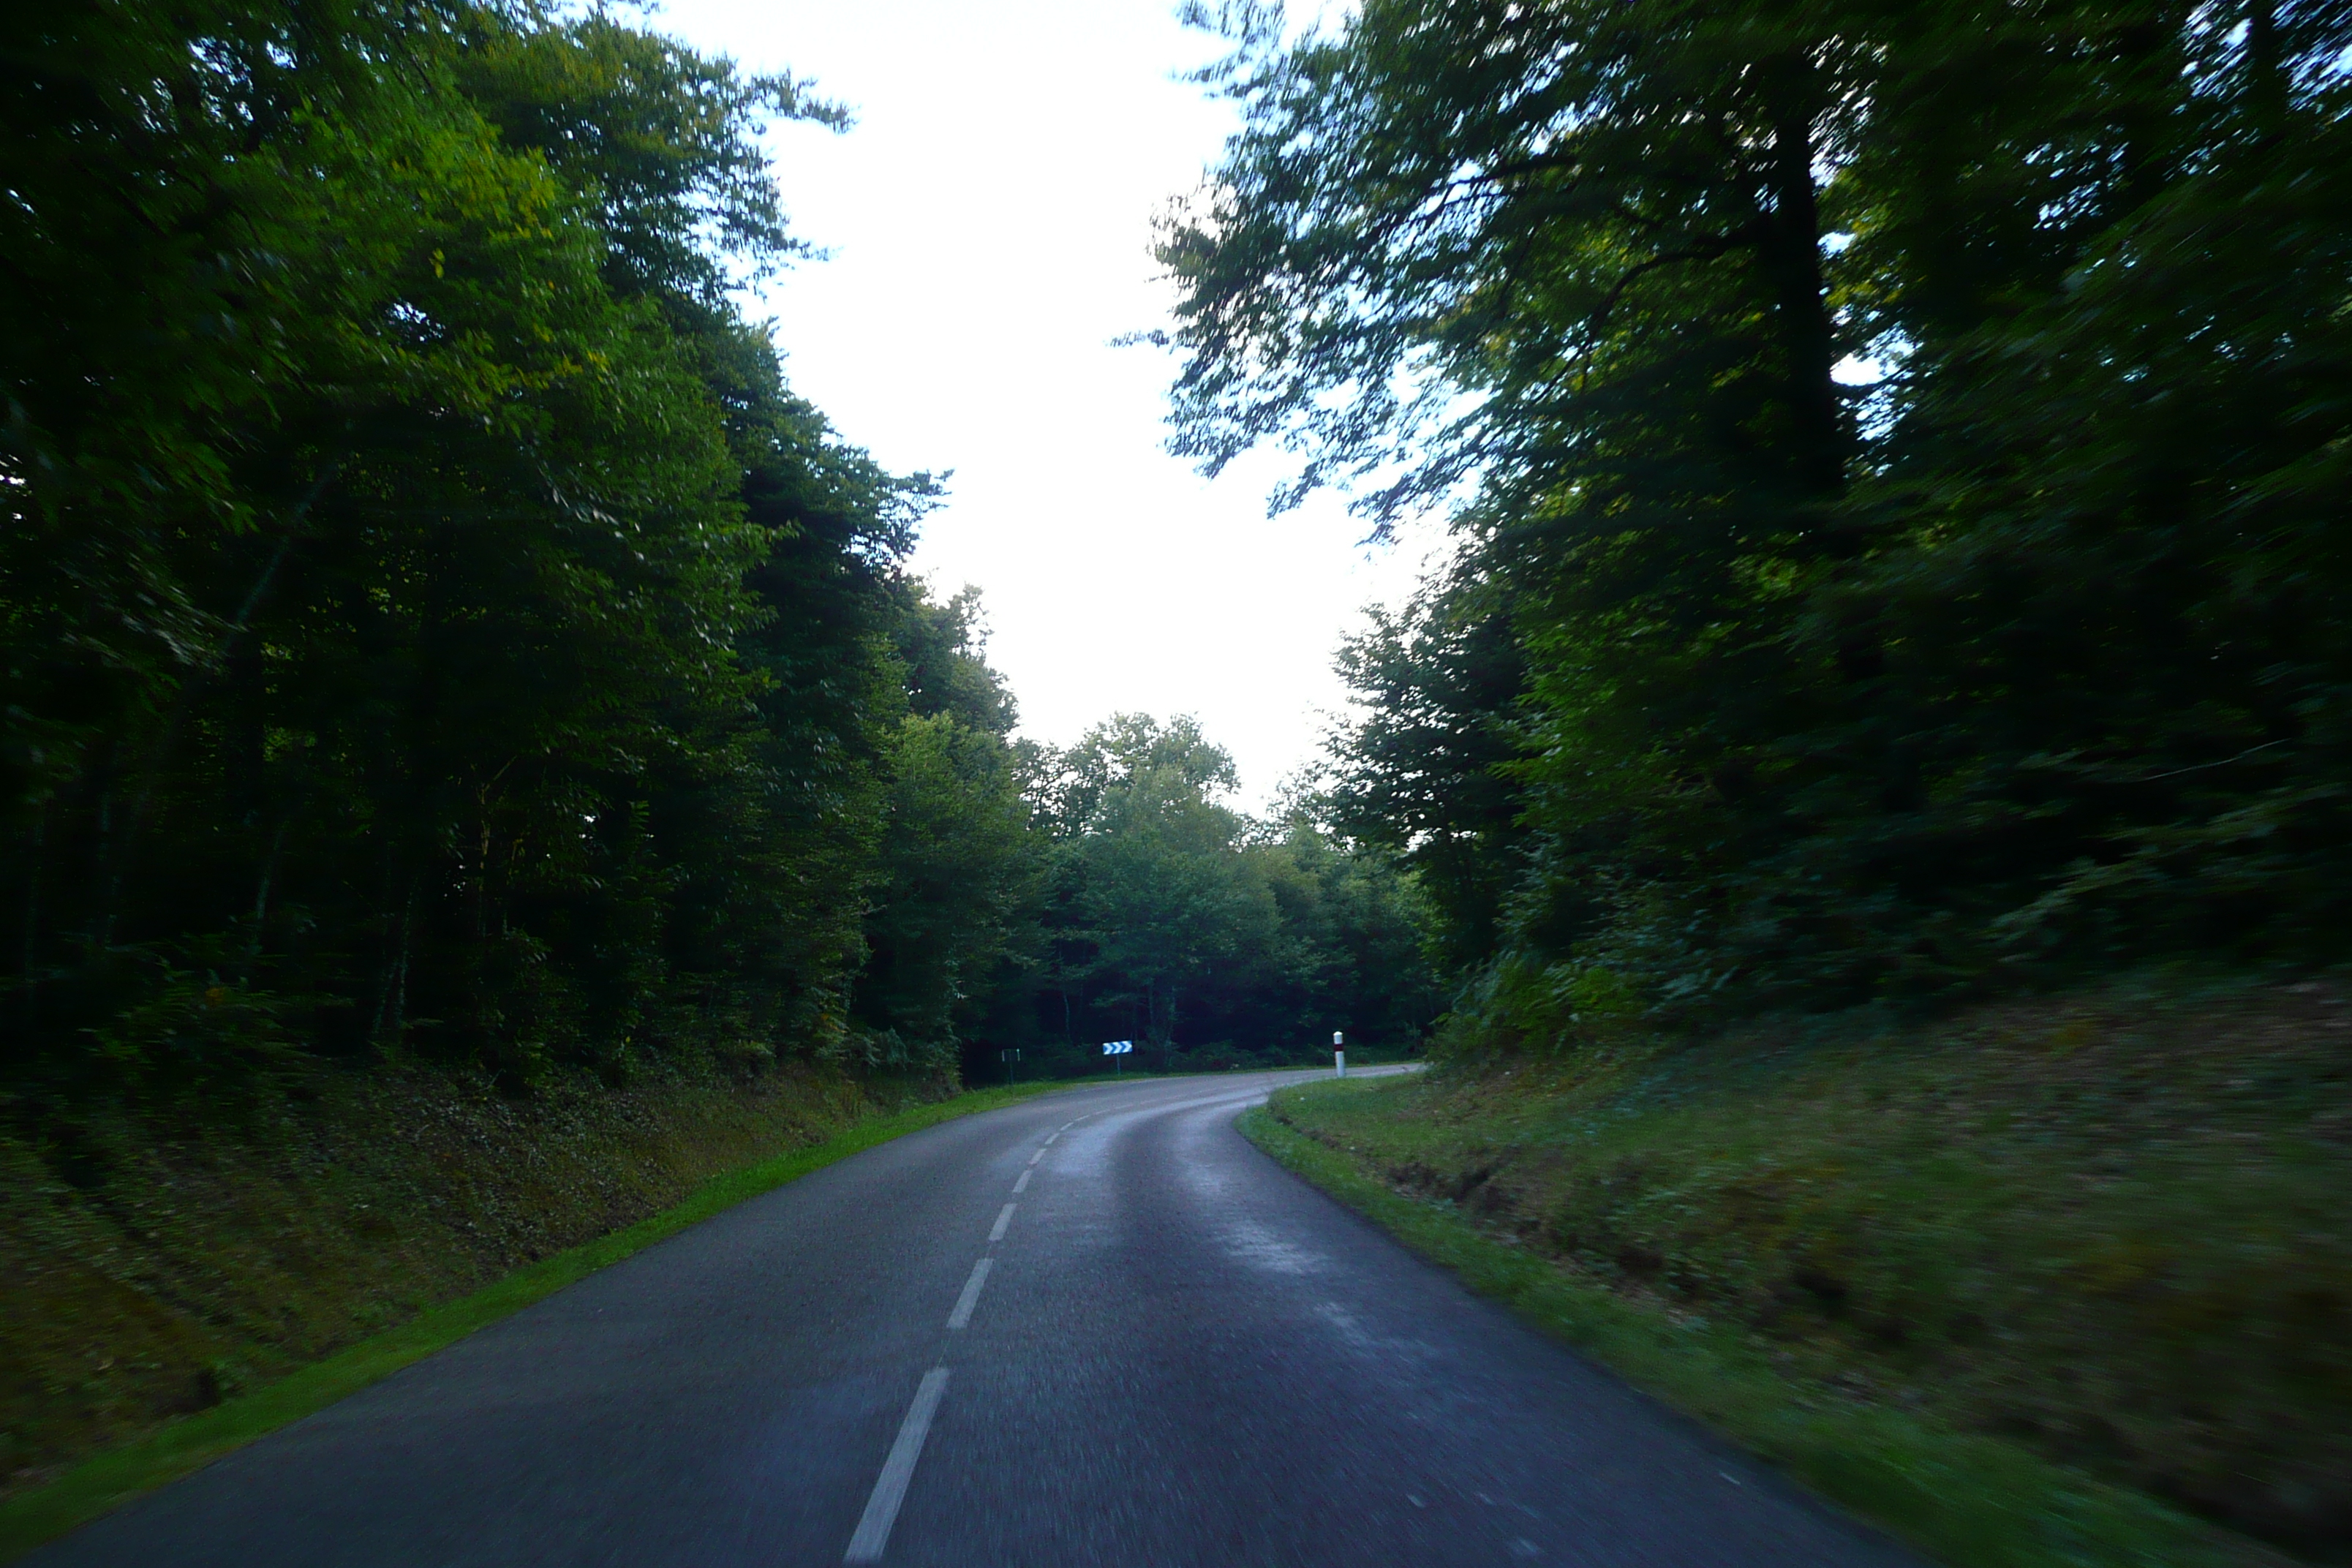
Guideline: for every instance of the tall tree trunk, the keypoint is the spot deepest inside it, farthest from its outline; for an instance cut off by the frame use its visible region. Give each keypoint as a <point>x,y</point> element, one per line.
<point>1792,261</point>
<point>261,895</point>
<point>2265,87</point>
<point>2147,52</point>
<point>391,977</point>
<point>197,680</point>
<point>37,851</point>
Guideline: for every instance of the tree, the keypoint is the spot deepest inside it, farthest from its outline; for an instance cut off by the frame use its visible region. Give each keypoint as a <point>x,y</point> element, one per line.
<point>431,622</point>
<point>1830,683</point>
<point>1176,921</point>
<point>953,920</point>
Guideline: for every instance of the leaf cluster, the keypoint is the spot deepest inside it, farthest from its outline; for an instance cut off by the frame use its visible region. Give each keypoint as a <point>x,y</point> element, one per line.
<point>1896,457</point>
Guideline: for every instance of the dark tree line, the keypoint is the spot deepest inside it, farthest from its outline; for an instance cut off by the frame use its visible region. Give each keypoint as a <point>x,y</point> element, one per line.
<point>430,622</point>
<point>1209,939</point>
<point>1898,454</point>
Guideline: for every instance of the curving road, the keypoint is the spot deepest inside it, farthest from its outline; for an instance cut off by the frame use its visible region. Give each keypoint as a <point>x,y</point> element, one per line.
<point>1098,1328</point>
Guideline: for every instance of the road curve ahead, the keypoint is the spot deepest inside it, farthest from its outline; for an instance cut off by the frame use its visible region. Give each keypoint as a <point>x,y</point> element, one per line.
<point>1098,1328</point>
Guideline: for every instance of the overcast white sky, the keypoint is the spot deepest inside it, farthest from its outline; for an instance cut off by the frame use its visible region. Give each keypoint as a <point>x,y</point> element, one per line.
<point>989,220</point>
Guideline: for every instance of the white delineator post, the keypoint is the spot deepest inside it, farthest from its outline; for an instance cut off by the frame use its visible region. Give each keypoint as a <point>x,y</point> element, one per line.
<point>1338,1055</point>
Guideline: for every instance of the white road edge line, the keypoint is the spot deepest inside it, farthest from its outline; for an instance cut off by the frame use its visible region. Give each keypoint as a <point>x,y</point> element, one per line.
<point>996,1231</point>
<point>1022,1185</point>
<point>890,1486</point>
<point>970,1297</point>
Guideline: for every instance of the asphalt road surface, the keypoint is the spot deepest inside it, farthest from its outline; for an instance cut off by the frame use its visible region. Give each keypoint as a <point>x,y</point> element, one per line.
<point>1098,1328</point>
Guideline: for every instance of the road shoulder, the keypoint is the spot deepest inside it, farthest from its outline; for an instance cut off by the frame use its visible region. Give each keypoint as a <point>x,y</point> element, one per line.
<point>106,1482</point>
<point>1963,1498</point>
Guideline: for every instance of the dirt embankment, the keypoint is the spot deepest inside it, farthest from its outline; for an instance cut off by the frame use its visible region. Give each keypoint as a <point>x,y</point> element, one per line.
<point>2117,1227</point>
<point>155,1263</point>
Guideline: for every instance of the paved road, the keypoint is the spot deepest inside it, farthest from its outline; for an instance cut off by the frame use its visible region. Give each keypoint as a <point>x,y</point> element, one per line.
<point>1095,1329</point>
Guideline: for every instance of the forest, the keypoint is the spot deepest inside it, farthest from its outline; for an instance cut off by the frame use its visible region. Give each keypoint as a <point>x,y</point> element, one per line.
<point>436,630</point>
<point>1897,459</point>
<point>1876,755</point>
<point>1859,819</point>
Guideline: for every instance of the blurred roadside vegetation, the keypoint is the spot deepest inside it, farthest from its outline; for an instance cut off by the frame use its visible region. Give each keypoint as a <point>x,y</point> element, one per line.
<point>152,1274</point>
<point>2110,1230</point>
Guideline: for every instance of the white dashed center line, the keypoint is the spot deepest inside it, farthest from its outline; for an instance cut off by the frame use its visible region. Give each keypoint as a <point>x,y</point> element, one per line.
<point>898,1470</point>
<point>970,1297</point>
<point>890,1486</point>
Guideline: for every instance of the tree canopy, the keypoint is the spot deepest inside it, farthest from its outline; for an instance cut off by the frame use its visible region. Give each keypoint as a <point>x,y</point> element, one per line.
<point>433,624</point>
<point>1897,464</point>
<point>1173,917</point>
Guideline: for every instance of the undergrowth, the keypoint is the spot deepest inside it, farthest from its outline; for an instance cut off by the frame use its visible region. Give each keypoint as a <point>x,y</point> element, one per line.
<point>157,1261</point>
<point>2111,1233</point>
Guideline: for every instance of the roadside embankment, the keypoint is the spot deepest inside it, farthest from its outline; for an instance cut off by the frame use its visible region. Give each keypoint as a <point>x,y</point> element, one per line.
<point>2058,1281</point>
<point>175,1282</point>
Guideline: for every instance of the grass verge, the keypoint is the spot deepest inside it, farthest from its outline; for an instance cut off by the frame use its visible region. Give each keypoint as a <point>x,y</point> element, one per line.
<point>113,1477</point>
<point>1967,1499</point>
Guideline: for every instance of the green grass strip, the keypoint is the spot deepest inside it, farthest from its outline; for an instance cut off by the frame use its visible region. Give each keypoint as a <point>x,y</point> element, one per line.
<point>105,1482</point>
<point>1970,1500</point>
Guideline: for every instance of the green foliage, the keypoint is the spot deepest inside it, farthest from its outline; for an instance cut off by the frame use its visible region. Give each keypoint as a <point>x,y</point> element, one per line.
<point>2107,1227</point>
<point>197,1030</point>
<point>1421,1160</point>
<point>1210,940</point>
<point>432,624</point>
<point>396,1230</point>
<point>1897,458</point>
<point>1419,777</point>
<point>429,620</point>
<point>663,142</point>
<point>963,874</point>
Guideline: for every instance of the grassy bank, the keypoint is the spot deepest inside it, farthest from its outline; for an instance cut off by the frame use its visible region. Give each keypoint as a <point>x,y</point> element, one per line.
<point>2050,1283</point>
<point>171,1296</point>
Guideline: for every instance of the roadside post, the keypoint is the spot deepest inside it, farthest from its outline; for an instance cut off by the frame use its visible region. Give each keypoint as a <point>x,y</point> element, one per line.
<point>1011,1055</point>
<point>1338,1054</point>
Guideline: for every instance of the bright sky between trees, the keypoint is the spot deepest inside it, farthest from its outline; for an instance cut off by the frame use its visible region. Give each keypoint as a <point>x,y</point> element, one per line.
<point>989,221</point>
